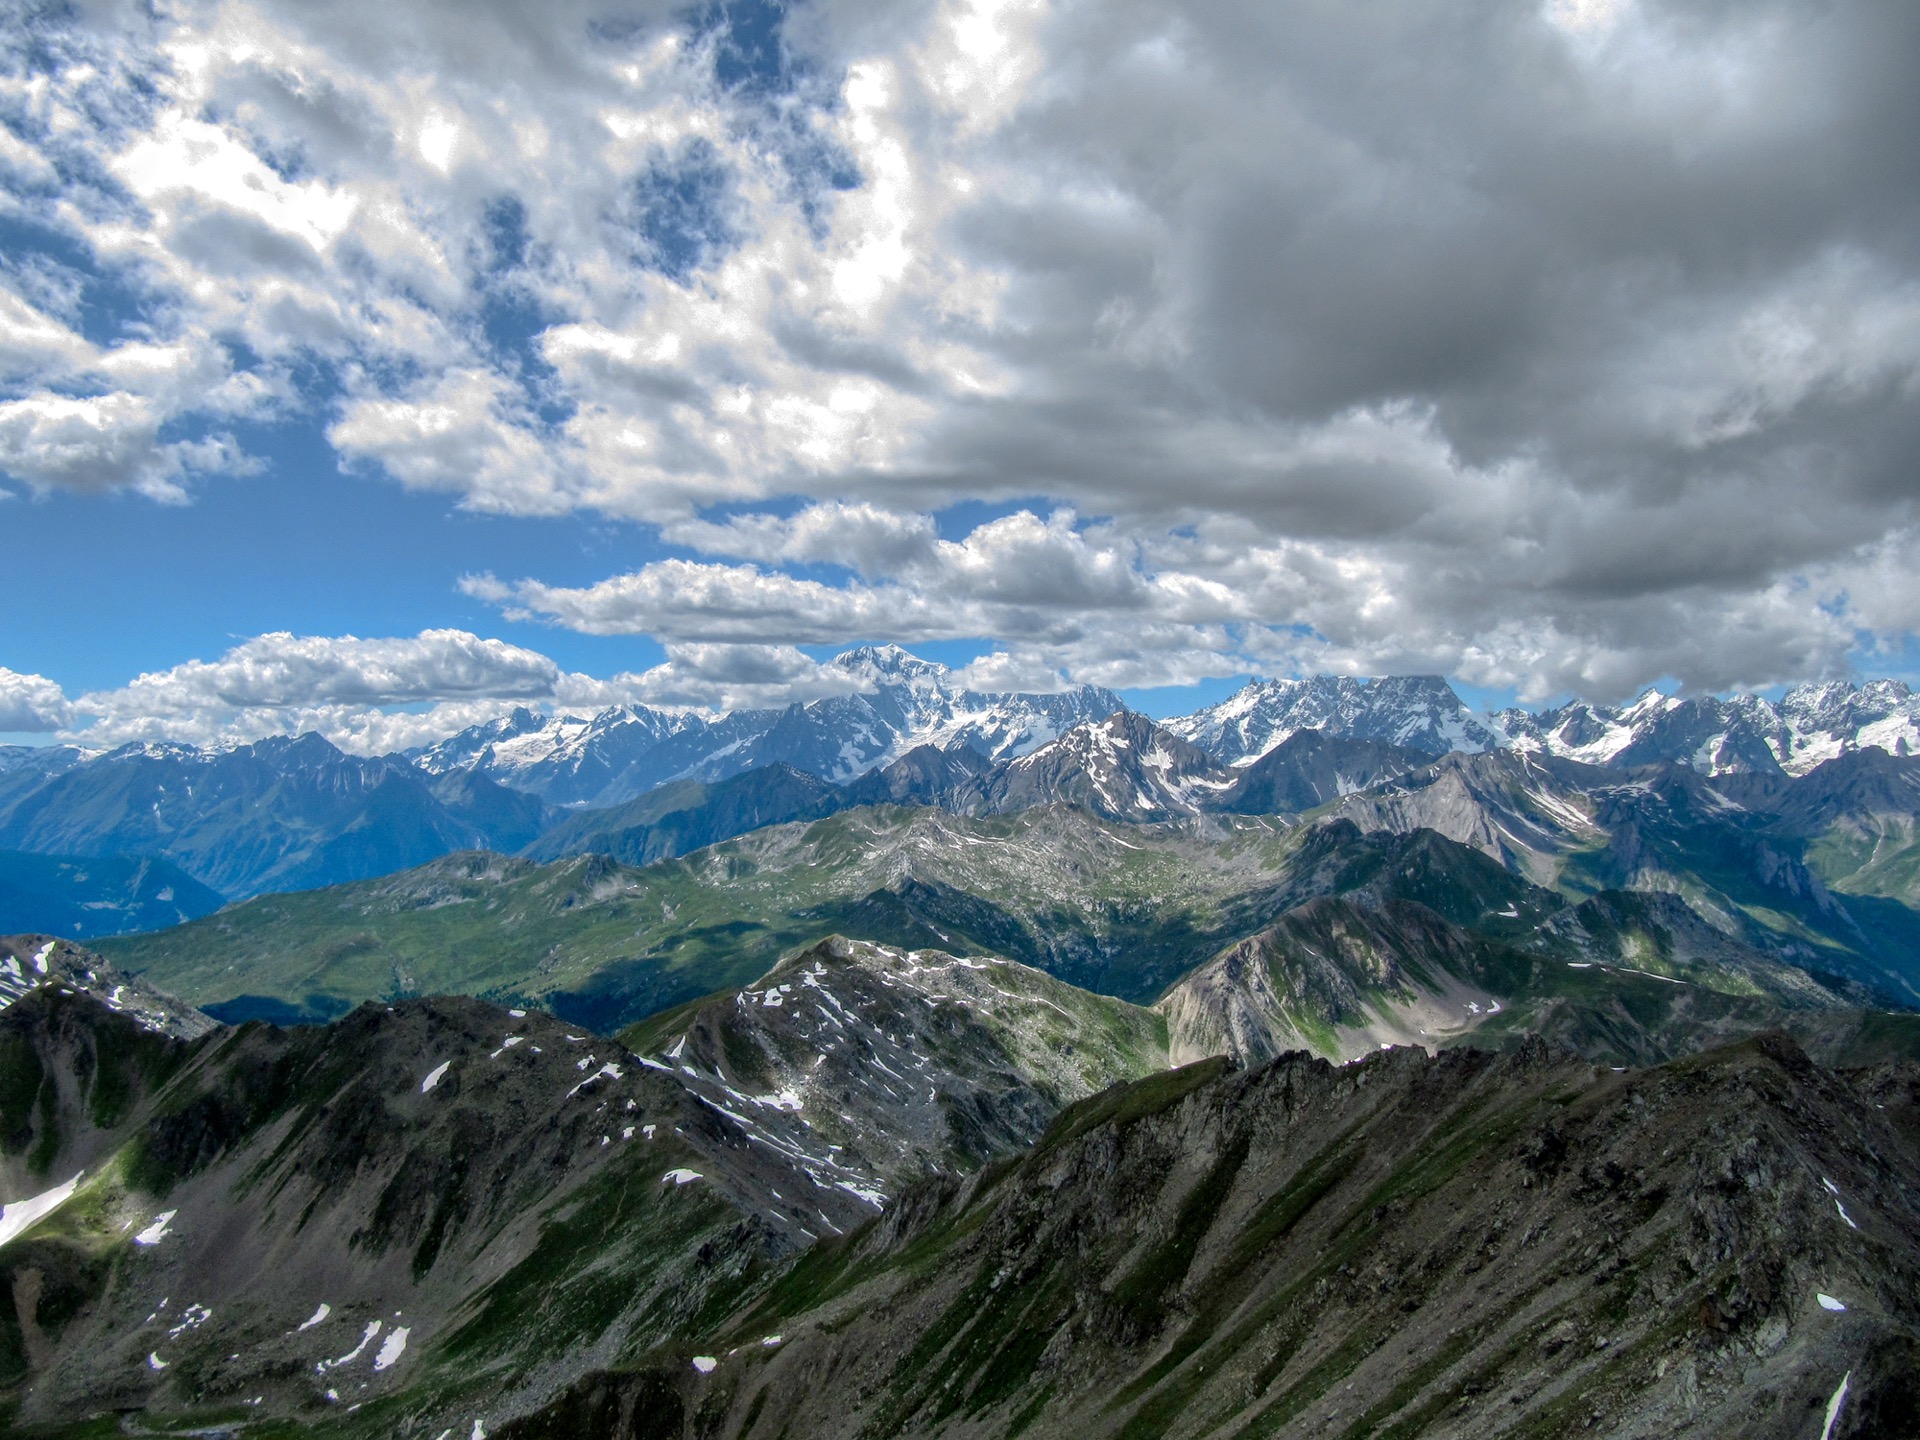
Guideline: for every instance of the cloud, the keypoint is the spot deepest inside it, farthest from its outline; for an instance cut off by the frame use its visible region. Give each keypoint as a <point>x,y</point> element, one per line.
<point>862,537</point>
<point>281,670</point>
<point>1578,351</point>
<point>31,703</point>
<point>376,696</point>
<point>343,686</point>
<point>103,442</point>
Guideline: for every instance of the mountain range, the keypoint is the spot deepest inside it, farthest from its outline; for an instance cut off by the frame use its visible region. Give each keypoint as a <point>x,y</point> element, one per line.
<point>1632,915</point>
<point>896,702</point>
<point>291,813</point>
<point>891,1191</point>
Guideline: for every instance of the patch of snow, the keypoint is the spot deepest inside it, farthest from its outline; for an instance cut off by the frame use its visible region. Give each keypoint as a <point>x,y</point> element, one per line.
<point>1827,1302</point>
<point>435,1075</point>
<point>154,1362</point>
<point>1843,1214</point>
<point>18,1215</point>
<point>366,1339</point>
<point>157,1231</point>
<point>518,1014</point>
<point>680,1177</point>
<point>392,1348</point>
<point>40,957</point>
<point>704,1364</point>
<point>315,1318</point>
<point>190,1318</point>
<point>1833,1407</point>
<point>773,1340</point>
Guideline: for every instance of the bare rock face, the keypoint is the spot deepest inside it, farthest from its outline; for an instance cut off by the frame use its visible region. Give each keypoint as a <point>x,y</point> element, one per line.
<point>1465,1245</point>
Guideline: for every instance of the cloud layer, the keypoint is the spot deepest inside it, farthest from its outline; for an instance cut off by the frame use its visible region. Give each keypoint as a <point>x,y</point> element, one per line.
<point>376,696</point>
<point>1558,346</point>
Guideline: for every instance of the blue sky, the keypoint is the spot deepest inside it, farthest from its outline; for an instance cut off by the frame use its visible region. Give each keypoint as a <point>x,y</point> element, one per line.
<point>373,368</point>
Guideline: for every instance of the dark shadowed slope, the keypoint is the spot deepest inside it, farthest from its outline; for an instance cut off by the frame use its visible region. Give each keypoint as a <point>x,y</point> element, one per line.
<point>1455,1247</point>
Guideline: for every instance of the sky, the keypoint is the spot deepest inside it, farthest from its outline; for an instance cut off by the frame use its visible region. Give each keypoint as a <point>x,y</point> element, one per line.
<point>372,368</point>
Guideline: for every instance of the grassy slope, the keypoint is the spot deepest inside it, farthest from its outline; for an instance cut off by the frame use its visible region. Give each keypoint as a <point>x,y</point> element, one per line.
<point>1112,907</point>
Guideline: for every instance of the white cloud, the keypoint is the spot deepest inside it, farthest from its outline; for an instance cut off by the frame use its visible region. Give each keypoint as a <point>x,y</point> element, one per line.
<point>375,696</point>
<point>1581,351</point>
<point>103,442</point>
<point>31,703</point>
<point>343,686</point>
<point>282,671</point>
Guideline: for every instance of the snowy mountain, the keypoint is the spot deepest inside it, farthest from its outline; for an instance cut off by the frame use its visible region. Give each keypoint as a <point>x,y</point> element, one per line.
<point>897,703</point>
<point>1740,734</point>
<point>1122,768</point>
<point>1744,733</point>
<point>1420,712</point>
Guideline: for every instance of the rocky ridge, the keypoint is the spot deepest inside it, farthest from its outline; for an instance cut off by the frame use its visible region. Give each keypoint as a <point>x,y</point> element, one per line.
<point>1454,1246</point>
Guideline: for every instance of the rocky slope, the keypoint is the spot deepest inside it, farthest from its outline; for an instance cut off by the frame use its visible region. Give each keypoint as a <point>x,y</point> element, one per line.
<point>1311,768</point>
<point>434,1213</point>
<point>1122,768</point>
<point>1743,866</point>
<point>1458,1246</point>
<point>32,963</point>
<point>881,1065</point>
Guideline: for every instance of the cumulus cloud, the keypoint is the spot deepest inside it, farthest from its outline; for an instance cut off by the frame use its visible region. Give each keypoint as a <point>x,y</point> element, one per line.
<point>103,442</point>
<point>31,703</point>
<point>1582,351</point>
<point>343,686</point>
<point>377,696</point>
<point>282,670</point>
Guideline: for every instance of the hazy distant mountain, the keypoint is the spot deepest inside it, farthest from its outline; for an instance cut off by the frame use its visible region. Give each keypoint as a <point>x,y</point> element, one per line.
<point>901,703</point>
<point>281,814</point>
<point>23,767</point>
<point>79,899</point>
